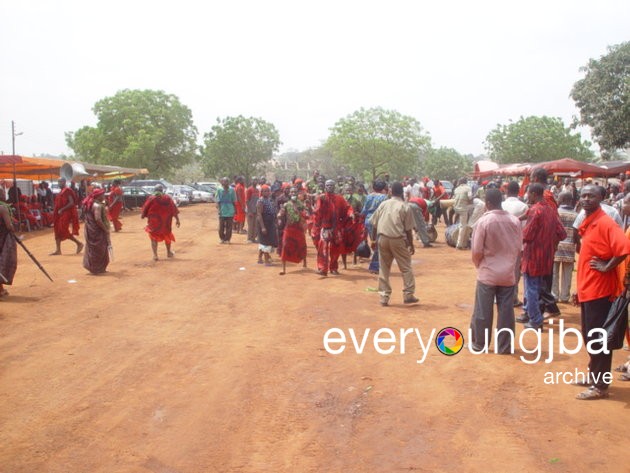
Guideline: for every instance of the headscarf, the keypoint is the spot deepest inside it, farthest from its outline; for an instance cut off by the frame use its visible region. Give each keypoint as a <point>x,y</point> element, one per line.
<point>88,202</point>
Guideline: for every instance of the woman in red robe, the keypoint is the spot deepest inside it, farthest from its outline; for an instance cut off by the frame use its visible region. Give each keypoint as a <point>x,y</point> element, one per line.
<point>293,215</point>
<point>160,209</point>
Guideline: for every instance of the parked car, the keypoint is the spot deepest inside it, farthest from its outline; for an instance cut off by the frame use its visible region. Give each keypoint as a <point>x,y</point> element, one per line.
<point>199,195</point>
<point>181,193</point>
<point>149,183</point>
<point>134,197</point>
<point>180,198</point>
<point>210,186</point>
<point>448,188</point>
<point>212,190</point>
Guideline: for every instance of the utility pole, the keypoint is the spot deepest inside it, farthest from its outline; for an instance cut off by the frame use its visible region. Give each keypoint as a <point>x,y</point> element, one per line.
<point>15,187</point>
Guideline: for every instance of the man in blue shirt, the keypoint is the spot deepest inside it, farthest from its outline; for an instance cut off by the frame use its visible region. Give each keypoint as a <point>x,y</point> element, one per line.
<point>226,198</point>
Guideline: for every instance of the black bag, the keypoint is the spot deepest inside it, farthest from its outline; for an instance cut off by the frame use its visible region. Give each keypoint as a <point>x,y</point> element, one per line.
<point>616,323</point>
<point>363,250</point>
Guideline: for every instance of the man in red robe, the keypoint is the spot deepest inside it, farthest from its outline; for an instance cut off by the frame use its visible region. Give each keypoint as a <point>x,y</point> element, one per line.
<point>160,210</point>
<point>329,219</point>
<point>65,214</point>
<point>115,205</point>
<point>239,206</point>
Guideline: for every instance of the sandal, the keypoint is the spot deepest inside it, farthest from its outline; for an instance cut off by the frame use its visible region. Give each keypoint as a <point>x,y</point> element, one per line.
<point>592,394</point>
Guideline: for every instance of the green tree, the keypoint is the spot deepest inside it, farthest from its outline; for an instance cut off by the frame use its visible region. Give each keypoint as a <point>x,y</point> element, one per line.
<point>138,128</point>
<point>445,164</point>
<point>378,141</point>
<point>603,97</point>
<point>239,146</point>
<point>535,139</point>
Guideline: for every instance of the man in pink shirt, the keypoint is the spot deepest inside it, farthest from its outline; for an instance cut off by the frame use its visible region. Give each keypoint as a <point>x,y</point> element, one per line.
<point>496,244</point>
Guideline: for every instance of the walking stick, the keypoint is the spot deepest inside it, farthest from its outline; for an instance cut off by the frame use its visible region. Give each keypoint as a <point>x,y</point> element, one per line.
<point>5,280</point>
<point>32,257</point>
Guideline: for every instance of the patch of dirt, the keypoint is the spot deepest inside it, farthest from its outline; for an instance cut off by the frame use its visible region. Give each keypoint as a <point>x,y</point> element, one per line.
<point>194,364</point>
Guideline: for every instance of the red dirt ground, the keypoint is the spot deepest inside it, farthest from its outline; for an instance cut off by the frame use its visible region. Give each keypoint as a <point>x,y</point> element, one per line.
<point>211,363</point>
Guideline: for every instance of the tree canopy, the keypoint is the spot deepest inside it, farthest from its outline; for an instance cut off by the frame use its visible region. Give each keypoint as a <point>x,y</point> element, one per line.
<point>138,128</point>
<point>238,146</point>
<point>535,139</point>
<point>445,164</point>
<point>378,141</point>
<point>603,97</point>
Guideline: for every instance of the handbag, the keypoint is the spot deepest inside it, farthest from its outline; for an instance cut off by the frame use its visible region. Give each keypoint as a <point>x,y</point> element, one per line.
<point>616,323</point>
<point>363,250</point>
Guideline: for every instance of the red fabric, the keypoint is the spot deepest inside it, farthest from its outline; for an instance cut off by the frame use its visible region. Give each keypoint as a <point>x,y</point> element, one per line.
<point>604,239</point>
<point>115,209</point>
<point>239,205</point>
<point>160,210</point>
<point>541,235</point>
<point>420,202</point>
<point>550,199</point>
<point>331,213</point>
<point>438,191</point>
<point>293,243</point>
<point>69,217</point>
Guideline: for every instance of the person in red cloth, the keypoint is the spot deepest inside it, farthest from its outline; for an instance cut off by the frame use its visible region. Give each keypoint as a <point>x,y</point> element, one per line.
<point>329,217</point>
<point>115,204</point>
<point>354,229</point>
<point>66,217</point>
<point>239,206</point>
<point>293,216</point>
<point>160,209</point>
<point>37,206</point>
<point>25,212</point>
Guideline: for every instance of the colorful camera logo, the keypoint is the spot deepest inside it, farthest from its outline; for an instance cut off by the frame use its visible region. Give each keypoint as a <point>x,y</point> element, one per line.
<point>449,341</point>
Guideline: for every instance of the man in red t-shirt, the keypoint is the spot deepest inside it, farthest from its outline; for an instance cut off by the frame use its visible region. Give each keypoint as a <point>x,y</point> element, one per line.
<point>603,246</point>
<point>439,193</point>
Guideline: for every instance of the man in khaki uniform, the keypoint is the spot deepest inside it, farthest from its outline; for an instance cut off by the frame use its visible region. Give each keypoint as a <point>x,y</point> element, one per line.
<point>392,226</point>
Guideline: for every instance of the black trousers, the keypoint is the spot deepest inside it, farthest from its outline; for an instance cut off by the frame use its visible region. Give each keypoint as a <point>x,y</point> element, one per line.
<point>225,228</point>
<point>594,315</point>
<point>547,301</point>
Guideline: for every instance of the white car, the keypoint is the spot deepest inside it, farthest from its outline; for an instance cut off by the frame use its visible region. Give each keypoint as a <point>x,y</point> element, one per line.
<point>199,195</point>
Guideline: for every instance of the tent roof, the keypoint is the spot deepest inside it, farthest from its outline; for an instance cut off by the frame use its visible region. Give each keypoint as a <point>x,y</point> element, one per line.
<point>565,165</point>
<point>39,169</point>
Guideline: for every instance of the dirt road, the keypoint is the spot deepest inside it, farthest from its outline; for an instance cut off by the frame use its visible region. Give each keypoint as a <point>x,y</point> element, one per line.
<point>209,362</point>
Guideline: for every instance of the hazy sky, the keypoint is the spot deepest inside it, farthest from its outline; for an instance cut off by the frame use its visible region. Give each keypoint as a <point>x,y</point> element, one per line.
<point>459,67</point>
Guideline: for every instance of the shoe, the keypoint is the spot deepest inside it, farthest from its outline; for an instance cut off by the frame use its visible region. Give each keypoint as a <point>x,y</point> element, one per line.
<point>334,272</point>
<point>384,302</point>
<point>411,300</point>
<point>518,304</point>
<point>427,245</point>
<point>549,315</point>
<point>584,384</point>
<point>523,318</point>
<point>592,394</point>
<point>624,377</point>
<point>322,273</point>
<point>531,324</point>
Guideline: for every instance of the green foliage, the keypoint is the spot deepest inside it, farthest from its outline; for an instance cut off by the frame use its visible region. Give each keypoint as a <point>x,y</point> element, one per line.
<point>446,164</point>
<point>378,142</point>
<point>534,140</point>
<point>603,97</point>
<point>239,146</point>
<point>138,128</point>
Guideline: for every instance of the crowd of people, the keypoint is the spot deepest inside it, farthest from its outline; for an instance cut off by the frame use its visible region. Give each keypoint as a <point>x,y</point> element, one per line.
<point>529,231</point>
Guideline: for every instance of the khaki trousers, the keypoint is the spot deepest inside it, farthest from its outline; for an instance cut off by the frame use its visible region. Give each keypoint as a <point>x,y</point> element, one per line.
<point>390,249</point>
